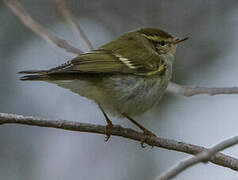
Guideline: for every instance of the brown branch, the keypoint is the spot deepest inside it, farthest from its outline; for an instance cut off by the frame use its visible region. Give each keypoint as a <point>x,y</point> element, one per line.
<point>202,157</point>
<point>29,22</point>
<point>219,159</point>
<point>64,10</point>
<point>191,91</point>
<point>205,154</point>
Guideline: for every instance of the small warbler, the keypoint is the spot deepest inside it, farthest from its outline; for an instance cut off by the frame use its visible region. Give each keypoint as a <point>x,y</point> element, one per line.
<point>125,77</point>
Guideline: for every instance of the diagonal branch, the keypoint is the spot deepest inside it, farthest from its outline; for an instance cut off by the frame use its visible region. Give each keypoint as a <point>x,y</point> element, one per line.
<point>219,159</point>
<point>64,10</point>
<point>191,91</point>
<point>29,22</point>
<point>202,157</point>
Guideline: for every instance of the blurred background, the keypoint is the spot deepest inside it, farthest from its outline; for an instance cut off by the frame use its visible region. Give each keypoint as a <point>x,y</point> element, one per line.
<point>208,58</point>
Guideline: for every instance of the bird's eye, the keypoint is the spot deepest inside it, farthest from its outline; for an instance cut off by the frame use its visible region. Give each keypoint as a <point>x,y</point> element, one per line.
<point>162,43</point>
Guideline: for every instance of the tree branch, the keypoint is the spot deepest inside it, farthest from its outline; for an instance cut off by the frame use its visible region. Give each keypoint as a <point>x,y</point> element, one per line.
<point>205,154</point>
<point>64,10</point>
<point>219,159</point>
<point>29,22</point>
<point>202,157</point>
<point>191,91</point>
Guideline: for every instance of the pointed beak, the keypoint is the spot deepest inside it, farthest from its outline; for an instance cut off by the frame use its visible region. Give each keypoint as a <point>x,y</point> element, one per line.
<point>180,40</point>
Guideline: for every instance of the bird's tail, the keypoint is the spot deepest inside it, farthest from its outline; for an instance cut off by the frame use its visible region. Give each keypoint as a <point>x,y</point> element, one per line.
<point>34,75</point>
<point>47,75</point>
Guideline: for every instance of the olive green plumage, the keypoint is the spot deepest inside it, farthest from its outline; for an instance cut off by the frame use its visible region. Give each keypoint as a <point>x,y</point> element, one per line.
<point>126,76</point>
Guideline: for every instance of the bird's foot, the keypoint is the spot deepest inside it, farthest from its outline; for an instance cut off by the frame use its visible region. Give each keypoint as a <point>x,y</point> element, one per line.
<point>146,134</point>
<point>109,125</point>
<point>108,128</point>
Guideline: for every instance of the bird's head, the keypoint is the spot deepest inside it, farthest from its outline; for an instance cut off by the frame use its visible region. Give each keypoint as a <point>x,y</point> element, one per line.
<point>163,42</point>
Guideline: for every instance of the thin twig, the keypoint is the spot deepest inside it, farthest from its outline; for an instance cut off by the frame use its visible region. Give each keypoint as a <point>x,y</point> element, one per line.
<point>191,91</point>
<point>219,159</point>
<point>202,157</point>
<point>205,154</point>
<point>64,10</point>
<point>29,22</point>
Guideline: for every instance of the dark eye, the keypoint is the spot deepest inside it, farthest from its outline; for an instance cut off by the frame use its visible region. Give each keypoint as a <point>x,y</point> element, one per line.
<point>162,43</point>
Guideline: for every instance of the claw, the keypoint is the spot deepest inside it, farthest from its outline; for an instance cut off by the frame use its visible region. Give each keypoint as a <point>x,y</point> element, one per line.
<point>109,125</point>
<point>142,141</point>
<point>147,134</point>
<point>108,130</point>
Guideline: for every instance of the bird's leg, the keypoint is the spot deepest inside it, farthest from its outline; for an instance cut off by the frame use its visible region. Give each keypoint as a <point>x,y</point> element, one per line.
<point>147,133</point>
<point>109,124</point>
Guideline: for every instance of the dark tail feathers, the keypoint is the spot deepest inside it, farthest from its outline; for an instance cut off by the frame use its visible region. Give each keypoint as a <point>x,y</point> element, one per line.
<point>39,75</point>
<point>35,78</point>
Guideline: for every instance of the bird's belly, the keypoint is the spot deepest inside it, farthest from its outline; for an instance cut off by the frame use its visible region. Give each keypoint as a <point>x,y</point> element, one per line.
<point>118,94</point>
<point>133,95</point>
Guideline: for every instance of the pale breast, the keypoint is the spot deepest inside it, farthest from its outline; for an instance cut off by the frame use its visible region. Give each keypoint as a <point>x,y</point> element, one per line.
<point>133,95</point>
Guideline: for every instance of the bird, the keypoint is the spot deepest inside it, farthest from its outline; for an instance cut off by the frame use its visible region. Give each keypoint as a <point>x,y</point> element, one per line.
<point>125,77</point>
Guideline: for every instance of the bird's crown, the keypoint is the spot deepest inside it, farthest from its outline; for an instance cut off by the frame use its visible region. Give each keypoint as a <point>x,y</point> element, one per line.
<point>154,34</point>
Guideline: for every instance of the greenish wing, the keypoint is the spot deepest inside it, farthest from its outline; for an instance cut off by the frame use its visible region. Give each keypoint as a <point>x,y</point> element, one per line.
<point>98,61</point>
<point>137,53</point>
<point>131,57</point>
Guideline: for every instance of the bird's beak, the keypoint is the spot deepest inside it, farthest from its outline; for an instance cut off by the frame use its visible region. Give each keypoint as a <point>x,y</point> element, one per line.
<point>180,40</point>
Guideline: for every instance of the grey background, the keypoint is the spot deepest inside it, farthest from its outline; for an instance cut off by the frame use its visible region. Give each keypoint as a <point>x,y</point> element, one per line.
<point>208,58</point>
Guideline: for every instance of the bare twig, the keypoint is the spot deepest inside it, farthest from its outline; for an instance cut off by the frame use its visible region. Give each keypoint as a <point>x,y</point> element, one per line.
<point>202,157</point>
<point>205,154</point>
<point>219,159</point>
<point>64,10</point>
<point>191,91</point>
<point>29,22</point>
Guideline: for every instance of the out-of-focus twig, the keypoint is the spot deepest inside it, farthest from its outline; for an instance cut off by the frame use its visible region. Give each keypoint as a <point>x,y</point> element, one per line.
<point>202,157</point>
<point>29,22</point>
<point>211,155</point>
<point>219,158</point>
<point>191,91</point>
<point>64,10</point>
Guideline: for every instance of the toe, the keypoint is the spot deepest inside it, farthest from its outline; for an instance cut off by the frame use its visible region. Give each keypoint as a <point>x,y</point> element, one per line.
<point>147,134</point>
<point>108,131</point>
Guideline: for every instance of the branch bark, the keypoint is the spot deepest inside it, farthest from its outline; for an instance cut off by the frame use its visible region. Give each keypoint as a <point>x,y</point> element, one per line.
<point>202,157</point>
<point>219,158</point>
<point>29,22</point>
